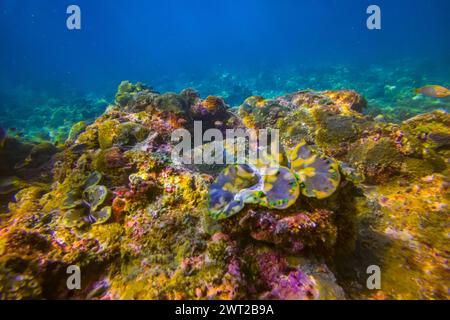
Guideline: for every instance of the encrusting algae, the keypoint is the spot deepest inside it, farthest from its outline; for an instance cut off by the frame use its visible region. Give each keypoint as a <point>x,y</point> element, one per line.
<point>350,192</point>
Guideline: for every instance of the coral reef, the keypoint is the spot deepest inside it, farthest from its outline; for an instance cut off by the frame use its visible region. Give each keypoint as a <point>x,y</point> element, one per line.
<point>40,116</point>
<point>353,191</point>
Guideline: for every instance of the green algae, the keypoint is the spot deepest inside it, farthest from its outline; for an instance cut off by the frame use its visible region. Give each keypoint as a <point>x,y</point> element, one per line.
<point>76,129</point>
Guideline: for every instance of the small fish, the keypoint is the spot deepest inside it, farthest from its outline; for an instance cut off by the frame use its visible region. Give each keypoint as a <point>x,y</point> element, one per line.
<point>434,91</point>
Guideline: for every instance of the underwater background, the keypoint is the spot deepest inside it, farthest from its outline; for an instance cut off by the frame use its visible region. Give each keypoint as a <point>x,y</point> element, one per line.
<point>52,77</point>
<point>90,177</point>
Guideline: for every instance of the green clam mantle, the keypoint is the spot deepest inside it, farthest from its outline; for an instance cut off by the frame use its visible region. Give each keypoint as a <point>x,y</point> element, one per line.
<point>271,185</point>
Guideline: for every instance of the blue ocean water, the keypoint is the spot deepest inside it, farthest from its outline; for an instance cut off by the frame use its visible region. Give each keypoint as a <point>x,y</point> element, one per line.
<point>52,77</point>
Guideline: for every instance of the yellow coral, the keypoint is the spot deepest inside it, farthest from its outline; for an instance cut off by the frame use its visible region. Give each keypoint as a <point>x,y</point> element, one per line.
<point>107,132</point>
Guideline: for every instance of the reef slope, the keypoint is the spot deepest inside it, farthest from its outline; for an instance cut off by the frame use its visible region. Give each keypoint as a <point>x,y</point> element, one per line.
<point>112,202</point>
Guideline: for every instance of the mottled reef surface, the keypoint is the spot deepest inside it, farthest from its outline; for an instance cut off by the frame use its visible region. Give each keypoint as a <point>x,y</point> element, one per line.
<point>111,201</point>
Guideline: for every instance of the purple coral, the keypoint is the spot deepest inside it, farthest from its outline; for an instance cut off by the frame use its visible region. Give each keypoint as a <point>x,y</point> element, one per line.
<point>295,286</point>
<point>283,282</point>
<point>271,265</point>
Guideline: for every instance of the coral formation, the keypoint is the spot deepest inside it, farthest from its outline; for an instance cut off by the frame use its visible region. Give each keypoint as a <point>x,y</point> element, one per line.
<point>38,115</point>
<point>351,191</point>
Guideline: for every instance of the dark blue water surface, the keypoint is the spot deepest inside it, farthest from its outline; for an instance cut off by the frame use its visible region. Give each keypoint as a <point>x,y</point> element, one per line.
<point>225,47</point>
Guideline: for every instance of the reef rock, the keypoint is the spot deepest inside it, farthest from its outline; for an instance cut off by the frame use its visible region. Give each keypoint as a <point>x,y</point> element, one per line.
<point>353,192</point>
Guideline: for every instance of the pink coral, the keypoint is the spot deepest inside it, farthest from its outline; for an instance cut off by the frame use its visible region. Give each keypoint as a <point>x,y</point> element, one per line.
<point>283,282</point>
